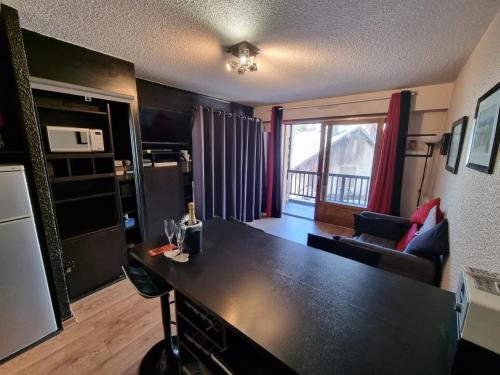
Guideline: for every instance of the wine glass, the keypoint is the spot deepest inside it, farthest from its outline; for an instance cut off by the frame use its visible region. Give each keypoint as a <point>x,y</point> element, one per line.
<point>169,229</point>
<point>180,233</point>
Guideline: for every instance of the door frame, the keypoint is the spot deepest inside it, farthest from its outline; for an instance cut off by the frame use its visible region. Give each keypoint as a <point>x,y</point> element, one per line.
<point>287,145</point>
<point>338,213</point>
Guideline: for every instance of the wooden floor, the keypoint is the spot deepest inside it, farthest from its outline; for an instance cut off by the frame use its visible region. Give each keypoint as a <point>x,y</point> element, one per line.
<point>111,332</point>
<point>296,229</point>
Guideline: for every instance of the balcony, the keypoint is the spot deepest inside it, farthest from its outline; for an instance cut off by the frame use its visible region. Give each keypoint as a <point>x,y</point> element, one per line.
<point>341,188</point>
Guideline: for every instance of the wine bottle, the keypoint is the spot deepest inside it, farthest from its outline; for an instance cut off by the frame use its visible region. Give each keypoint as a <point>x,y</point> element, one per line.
<point>192,217</point>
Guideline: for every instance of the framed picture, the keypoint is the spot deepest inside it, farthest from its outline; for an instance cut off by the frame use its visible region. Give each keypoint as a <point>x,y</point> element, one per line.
<point>456,143</point>
<point>484,143</point>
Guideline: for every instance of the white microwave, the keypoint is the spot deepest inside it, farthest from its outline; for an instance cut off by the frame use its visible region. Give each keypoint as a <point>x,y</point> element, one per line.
<point>68,139</point>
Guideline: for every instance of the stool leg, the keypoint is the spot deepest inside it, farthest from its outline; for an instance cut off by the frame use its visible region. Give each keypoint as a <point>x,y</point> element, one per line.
<point>166,318</point>
<point>162,359</point>
<point>169,362</point>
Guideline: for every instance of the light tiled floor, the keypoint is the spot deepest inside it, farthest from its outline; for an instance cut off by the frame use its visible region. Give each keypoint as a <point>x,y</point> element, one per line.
<point>296,229</point>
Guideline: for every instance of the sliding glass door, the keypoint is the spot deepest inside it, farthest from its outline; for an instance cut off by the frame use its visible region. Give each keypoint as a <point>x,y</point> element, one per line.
<point>301,156</point>
<point>328,168</point>
<point>348,155</point>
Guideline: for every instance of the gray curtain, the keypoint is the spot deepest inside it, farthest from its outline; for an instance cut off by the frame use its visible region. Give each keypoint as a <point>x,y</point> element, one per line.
<point>227,165</point>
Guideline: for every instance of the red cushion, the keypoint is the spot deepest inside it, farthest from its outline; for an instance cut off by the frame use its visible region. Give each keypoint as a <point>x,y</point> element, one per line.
<point>421,214</point>
<point>439,215</point>
<point>403,242</point>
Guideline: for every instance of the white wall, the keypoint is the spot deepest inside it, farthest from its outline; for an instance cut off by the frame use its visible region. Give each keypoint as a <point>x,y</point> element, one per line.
<point>421,122</point>
<point>427,98</point>
<point>470,198</point>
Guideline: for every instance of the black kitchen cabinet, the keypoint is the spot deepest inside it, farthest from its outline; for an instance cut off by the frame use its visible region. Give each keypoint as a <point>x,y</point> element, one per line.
<point>164,197</point>
<point>93,260</point>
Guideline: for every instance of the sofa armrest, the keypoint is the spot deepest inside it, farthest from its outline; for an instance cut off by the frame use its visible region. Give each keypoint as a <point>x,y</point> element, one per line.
<point>384,226</point>
<point>414,267</point>
<point>394,219</point>
<point>336,247</point>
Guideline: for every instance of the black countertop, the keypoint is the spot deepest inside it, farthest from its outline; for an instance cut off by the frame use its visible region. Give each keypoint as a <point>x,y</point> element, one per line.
<point>316,312</point>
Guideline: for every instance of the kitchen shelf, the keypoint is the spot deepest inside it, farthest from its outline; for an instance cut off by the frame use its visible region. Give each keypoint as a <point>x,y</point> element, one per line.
<point>71,109</point>
<point>79,155</point>
<point>81,178</point>
<point>89,233</point>
<point>83,197</point>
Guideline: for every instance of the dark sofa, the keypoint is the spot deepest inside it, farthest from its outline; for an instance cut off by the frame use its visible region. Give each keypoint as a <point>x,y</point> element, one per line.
<point>380,252</point>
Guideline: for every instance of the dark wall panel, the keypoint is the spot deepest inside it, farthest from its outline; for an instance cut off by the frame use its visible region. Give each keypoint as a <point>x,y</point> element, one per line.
<point>65,62</point>
<point>165,97</point>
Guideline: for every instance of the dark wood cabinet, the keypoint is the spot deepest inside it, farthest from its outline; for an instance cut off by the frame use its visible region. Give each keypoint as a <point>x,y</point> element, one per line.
<point>93,260</point>
<point>164,197</point>
<point>86,192</point>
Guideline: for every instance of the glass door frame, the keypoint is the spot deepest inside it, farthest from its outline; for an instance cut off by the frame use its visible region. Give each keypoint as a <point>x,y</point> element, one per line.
<point>286,153</point>
<point>334,212</point>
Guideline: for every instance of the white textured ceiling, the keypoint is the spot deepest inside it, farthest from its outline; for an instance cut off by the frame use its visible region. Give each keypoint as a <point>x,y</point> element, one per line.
<point>310,49</point>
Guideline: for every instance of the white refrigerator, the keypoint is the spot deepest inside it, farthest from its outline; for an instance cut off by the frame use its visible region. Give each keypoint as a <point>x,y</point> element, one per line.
<point>26,310</point>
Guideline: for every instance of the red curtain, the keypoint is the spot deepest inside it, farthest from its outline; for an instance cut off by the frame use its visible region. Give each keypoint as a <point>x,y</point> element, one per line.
<point>381,193</point>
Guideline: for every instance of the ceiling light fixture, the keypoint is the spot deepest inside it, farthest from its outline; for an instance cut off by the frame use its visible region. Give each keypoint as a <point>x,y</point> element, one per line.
<point>243,57</point>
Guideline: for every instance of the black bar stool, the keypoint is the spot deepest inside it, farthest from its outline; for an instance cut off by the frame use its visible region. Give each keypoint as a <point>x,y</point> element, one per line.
<point>162,358</point>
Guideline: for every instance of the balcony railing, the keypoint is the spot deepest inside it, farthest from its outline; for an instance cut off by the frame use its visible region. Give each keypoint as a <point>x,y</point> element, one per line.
<point>341,188</point>
<point>302,183</point>
<point>348,188</point>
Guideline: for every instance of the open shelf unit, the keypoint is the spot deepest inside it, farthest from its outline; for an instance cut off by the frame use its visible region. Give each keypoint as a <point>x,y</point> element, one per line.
<point>85,192</point>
